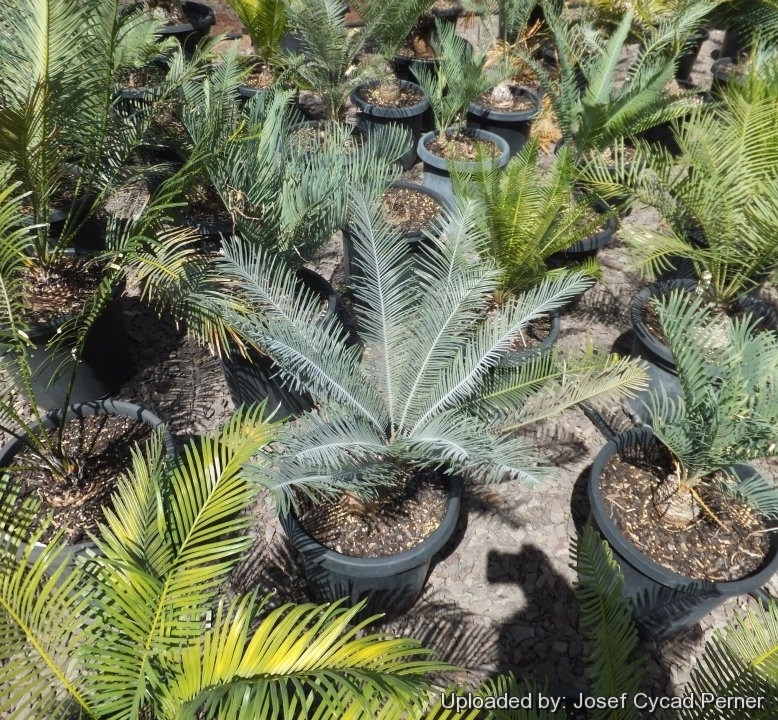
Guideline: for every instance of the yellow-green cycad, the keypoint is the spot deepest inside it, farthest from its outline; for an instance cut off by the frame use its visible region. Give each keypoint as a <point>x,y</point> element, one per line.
<point>528,214</point>
<point>132,631</point>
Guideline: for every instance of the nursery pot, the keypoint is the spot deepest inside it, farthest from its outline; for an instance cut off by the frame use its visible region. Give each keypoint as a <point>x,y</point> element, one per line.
<point>688,56</point>
<point>436,173</point>
<point>657,356</point>
<point>512,126</point>
<point>100,370</point>
<point>391,584</point>
<point>665,603</point>
<point>253,377</point>
<point>724,70</point>
<point>201,18</point>
<point>515,358</point>
<point>99,407</point>
<point>413,242</point>
<point>591,244</point>
<point>410,117</point>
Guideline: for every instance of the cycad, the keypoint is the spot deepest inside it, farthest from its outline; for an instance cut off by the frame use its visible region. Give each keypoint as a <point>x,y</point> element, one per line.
<point>599,114</point>
<point>141,630</point>
<point>390,23</point>
<point>719,197</point>
<point>460,75</point>
<point>59,64</point>
<point>528,215</point>
<point>424,393</point>
<point>265,21</point>
<point>291,206</point>
<point>727,411</point>
<point>329,50</point>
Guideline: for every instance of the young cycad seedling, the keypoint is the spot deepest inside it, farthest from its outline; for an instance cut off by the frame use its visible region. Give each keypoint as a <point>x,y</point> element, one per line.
<point>727,411</point>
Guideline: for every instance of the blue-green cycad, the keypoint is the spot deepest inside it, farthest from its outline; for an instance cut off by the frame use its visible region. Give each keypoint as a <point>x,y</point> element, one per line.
<point>596,116</point>
<point>727,411</point>
<point>423,392</point>
<point>282,197</point>
<point>390,23</point>
<point>141,629</point>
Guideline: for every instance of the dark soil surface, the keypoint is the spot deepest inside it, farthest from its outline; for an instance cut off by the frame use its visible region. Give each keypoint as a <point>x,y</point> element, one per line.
<point>727,542</point>
<point>461,147</point>
<point>390,95</point>
<point>96,450</point>
<point>412,211</point>
<point>61,289</point>
<point>397,522</point>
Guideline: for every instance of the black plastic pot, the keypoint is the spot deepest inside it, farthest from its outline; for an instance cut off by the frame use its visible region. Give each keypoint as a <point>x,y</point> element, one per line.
<point>660,364</point>
<point>687,58</point>
<point>665,603</point>
<point>515,358</point>
<point>513,127</point>
<point>100,407</point>
<point>414,242</point>
<point>436,173</point>
<point>410,118</point>
<point>723,71</point>
<point>191,33</point>
<point>254,377</point>
<point>391,584</point>
<point>102,368</point>
<point>590,245</point>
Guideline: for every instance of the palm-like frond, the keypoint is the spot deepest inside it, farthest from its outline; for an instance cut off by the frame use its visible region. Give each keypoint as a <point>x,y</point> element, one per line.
<point>459,76</point>
<point>329,50</point>
<point>728,407</point>
<point>727,155</point>
<point>411,397</point>
<point>613,663</point>
<point>739,661</point>
<point>265,21</point>
<point>235,672</point>
<point>389,25</point>
<point>41,618</point>
<point>528,215</point>
<point>596,116</point>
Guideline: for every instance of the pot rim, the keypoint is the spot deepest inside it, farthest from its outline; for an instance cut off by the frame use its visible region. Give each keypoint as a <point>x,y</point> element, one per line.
<point>640,561</point>
<point>388,564</point>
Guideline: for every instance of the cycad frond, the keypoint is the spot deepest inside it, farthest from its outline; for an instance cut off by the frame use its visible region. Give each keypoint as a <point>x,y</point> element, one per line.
<point>168,543</point>
<point>728,408</point>
<point>613,663</point>
<point>41,618</point>
<point>235,672</point>
<point>265,21</point>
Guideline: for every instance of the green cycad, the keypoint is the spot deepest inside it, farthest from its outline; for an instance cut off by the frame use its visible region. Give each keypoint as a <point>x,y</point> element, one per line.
<point>390,23</point>
<point>328,63</point>
<point>727,411</point>
<point>138,630</point>
<point>528,215</point>
<point>727,155</point>
<point>59,64</point>
<point>460,75</point>
<point>423,393</point>
<point>596,116</point>
<point>265,21</point>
